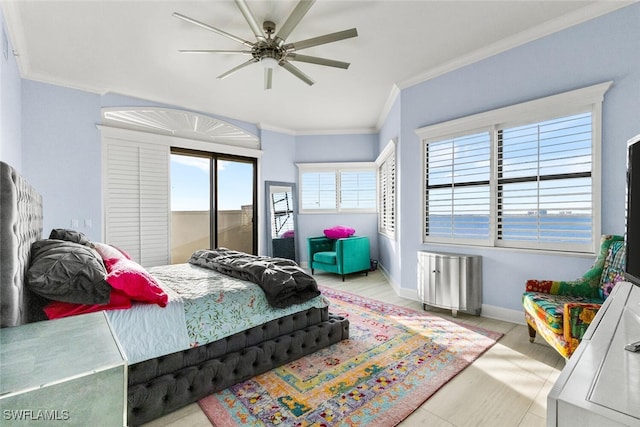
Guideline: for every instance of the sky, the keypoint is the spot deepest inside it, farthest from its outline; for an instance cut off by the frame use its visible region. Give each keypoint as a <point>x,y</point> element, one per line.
<point>190,184</point>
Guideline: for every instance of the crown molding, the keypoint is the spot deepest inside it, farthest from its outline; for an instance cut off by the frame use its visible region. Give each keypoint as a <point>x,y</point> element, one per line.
<point>356,131</point>
<point>561,23</point>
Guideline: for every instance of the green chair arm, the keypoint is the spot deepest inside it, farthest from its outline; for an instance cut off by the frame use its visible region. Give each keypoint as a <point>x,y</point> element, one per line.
<point>353,253</point>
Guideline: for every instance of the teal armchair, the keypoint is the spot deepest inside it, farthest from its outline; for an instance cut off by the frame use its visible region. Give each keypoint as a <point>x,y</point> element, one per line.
<point>340,256</point>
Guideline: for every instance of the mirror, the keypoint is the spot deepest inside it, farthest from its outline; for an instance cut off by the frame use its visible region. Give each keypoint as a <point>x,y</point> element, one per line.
<point>282,207</point>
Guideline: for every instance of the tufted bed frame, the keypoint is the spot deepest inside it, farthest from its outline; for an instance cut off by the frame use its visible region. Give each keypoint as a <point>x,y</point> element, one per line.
<point>164,384</point>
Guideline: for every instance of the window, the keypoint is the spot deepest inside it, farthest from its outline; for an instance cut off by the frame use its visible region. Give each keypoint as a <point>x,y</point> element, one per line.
<point>318,191</point>
<point>545,181</point>
<point>212,199</point>
<point>337,187</point>
<point>386,163</point>
<point>524,176</point>
<point>457,183</point>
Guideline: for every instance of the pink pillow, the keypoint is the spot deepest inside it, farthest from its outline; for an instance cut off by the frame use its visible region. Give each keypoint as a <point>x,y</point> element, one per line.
<point>136,282</point>
<point>108,251</point>
<point>59,309</point>
<point>288,234</point>
<point>339,232</point>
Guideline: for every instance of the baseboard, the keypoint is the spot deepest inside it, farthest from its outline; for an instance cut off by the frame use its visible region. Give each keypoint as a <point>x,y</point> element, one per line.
<point>504,314</point>
<point>488,311</point>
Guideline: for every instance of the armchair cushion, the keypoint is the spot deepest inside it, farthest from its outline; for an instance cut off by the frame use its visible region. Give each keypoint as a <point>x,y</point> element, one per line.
<point>550,308</point>
<point>325,257</point>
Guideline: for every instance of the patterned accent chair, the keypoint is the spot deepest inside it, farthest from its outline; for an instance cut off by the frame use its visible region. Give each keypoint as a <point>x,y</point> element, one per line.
<point>341,256</point>
<point>561,311</point>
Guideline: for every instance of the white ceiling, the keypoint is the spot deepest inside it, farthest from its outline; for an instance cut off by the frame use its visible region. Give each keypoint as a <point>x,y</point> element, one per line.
<point>131,48</point>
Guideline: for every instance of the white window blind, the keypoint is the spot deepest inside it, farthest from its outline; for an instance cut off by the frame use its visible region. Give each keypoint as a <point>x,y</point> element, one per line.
<point>387,190</point>
<point>358,190</point>
<point>337,187</point>
<point>458,200</point>
<point>319,191</point>
<point>544,181</point>
<point>136,185</point>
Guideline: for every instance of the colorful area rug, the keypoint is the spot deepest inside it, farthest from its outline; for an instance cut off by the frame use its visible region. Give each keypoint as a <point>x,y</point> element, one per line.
<point>394,360</point>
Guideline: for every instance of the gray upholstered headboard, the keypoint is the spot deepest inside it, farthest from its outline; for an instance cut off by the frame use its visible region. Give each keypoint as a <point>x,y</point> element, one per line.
<point>20,226</point>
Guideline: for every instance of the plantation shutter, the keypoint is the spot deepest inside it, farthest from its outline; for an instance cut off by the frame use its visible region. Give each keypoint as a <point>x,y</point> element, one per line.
<point>545,183</point>
<point>137,200</point>
<point>318,190</point>
<point>358,189</point>
<point>387,194</point>
<point>458,199</point>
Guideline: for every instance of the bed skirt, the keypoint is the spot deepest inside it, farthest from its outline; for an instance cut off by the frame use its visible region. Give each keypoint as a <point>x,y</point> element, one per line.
<point>159,386</point>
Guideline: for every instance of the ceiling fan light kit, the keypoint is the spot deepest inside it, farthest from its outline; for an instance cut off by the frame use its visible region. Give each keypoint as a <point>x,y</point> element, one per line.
<point>272,50</point>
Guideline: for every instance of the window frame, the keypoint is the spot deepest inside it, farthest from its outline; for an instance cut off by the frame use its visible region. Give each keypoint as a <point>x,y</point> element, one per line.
<point>336,169</point>
<point>387,212</point>
<point>588,99</point>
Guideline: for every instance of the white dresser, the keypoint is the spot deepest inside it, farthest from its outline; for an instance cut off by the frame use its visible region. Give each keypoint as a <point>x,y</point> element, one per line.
<point>452,281</point>
<point>600,385</point>
<point>67,372</point>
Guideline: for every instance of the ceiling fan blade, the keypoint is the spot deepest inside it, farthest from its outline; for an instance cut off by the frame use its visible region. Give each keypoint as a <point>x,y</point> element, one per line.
<point>316,60</point>
<point>296,72</point>
<point>234,69</point>
<point>293,20</point>
<point>251,20</point>
<point>232,52</point>
<point>268,78</point>
<point>210,28</point>
<point>327,38</point>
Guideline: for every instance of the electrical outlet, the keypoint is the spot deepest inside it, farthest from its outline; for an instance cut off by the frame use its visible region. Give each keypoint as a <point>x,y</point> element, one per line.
<point>88,223</point>
<point>75,223</point>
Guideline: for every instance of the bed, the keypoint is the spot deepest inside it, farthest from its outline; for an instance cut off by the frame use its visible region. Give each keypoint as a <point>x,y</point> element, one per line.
<point>164,382</point>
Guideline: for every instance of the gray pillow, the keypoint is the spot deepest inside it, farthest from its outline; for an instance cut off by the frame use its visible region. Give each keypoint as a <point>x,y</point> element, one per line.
<point>67,271</point>
<point>69,235</point>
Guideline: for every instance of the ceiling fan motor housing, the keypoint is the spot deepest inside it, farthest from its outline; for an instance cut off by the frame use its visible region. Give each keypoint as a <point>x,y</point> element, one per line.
<point>267,49</point>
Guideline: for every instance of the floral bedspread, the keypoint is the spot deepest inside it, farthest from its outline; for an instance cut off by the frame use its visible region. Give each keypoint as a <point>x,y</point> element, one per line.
<point>216,305</point>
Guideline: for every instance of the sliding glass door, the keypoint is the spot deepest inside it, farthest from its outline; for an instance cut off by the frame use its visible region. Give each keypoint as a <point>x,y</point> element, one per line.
<point>235,201</point>
<point>212,203</point>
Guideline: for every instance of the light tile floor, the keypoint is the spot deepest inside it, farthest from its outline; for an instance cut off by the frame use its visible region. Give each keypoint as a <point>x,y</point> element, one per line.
<point>506,387</point>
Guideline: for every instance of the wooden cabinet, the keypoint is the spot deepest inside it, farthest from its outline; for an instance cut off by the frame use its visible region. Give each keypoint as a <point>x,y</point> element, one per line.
<point>67,372</point>
<point>600,385</point>
<point>452,281</point>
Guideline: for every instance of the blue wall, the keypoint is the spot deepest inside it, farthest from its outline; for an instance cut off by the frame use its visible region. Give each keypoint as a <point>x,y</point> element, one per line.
<point>62,154</point>
<point>597,51</point>
<point>10,103</point>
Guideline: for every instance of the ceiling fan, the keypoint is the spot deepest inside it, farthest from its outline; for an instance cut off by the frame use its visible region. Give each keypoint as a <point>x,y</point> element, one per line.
<point>272,50</point>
